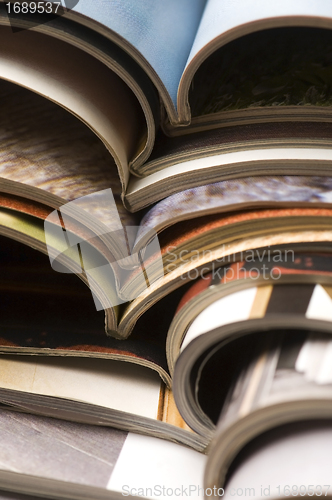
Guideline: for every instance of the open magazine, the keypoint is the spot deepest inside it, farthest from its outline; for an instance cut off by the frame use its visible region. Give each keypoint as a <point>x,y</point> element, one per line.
<point>289,381</point>
<point>269,455</point>
<point>284,378</point>
<point>246,317</point>
<point>141,85</point>
<point>56,171</point>
<point>66,460</point>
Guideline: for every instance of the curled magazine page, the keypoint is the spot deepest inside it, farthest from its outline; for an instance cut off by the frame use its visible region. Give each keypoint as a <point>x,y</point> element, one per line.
<point>234,195</point>
<point>165,249</point>
<point>222,22</point>
<point>289,381</point>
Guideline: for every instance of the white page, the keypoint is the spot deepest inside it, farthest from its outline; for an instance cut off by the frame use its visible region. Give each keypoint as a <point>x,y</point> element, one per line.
<point>320,305</point>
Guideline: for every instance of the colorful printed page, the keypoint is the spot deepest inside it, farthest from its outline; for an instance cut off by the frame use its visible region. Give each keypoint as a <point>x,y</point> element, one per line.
<point>263,467</point>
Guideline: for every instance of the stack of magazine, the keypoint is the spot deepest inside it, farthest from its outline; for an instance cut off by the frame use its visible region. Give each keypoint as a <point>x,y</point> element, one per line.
<point>166,248</point>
